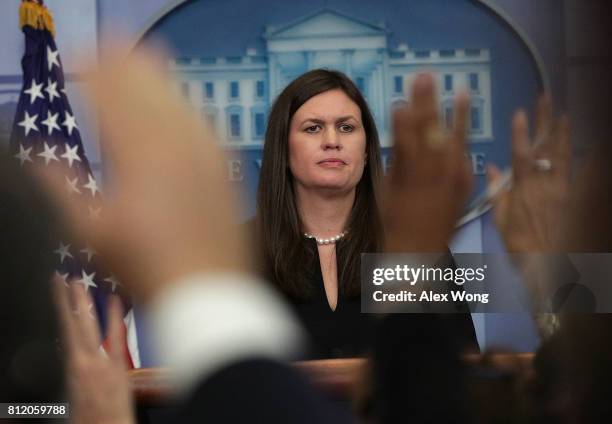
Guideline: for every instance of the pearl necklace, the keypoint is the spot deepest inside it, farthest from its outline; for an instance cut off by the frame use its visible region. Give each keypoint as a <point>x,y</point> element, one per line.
<point>331,240</point>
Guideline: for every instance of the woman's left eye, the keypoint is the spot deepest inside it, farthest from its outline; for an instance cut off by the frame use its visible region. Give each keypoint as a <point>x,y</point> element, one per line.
<point>346,128</point>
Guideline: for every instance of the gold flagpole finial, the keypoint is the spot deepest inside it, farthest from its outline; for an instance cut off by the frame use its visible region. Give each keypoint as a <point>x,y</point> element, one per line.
<point>33,13</point>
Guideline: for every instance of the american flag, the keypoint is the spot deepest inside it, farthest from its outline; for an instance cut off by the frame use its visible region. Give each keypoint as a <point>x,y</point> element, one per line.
<point>45,133</point>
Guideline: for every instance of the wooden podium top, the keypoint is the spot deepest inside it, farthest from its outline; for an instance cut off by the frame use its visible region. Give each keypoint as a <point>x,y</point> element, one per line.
<point>337,377</point>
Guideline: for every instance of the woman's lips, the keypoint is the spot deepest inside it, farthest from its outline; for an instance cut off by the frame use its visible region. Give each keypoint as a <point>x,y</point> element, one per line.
<point>332,162</point>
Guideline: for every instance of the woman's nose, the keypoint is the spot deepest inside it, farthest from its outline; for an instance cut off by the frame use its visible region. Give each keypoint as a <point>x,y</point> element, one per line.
<point>331,140</point>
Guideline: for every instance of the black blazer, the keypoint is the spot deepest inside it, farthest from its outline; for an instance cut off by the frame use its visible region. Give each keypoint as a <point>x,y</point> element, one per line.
<point>258,391</point>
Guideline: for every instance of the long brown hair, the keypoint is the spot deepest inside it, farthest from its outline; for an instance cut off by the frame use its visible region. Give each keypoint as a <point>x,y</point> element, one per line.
<point>287,258</point>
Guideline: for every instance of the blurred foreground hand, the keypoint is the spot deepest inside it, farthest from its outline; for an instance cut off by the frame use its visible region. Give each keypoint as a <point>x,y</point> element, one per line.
<point>529,216</point>
<point>430,179</point>
<point>168,210</point>
<point>98,384</point>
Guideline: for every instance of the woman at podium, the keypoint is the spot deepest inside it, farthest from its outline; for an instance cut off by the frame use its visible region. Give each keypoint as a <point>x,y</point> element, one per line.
<point>318,210</point>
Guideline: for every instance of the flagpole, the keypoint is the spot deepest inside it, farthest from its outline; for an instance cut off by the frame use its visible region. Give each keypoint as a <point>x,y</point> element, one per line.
<point>45,134</point>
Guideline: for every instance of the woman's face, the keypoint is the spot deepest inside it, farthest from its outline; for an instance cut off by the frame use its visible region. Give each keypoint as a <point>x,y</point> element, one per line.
<point>327,143</point>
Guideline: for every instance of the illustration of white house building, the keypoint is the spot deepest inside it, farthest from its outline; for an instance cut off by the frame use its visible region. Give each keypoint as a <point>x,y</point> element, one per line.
<point>235,93</point>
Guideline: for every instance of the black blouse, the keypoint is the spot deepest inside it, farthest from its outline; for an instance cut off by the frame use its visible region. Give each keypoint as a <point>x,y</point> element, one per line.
<point>346,332</point>
<point>342,333</point>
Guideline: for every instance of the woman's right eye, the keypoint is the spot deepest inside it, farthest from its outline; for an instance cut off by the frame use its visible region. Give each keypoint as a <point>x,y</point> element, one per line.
<point>313,128</point>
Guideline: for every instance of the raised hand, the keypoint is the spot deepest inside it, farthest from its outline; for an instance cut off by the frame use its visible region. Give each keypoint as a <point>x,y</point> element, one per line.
<point>168,210</point>
<point>430,179</point>
<point>98,384</point>
<point>530,214</point>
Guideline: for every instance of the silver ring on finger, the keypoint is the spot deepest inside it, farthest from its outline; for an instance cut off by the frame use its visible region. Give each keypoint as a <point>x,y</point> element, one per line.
<point>543,165</point>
